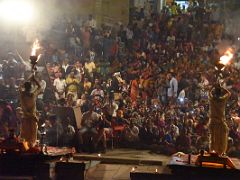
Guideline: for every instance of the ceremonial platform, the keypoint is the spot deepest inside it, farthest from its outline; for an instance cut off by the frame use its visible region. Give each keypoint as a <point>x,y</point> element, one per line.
<point>116,164</point>
<point>39,165</point>
<point>183,166</point>
<point>126,164</point>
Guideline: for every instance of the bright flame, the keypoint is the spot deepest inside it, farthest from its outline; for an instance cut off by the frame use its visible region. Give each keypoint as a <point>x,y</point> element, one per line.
<point>16,10</point>
<point>35,47</point>
<point>156,170</point>
<point>225,59</point>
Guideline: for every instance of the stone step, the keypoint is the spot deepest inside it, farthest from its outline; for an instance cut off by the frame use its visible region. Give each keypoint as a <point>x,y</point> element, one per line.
<point>117,160</point>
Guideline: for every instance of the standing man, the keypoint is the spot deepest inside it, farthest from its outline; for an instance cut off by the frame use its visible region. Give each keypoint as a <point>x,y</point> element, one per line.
<point>28,97</point>
<point>218,97</point>
<point>173,88</point>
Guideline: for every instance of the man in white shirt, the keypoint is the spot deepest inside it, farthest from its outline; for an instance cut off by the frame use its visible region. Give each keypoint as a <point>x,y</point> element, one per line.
<point>59,85</point>
<point>173,88</point>
<point>89,125</point>
<point>97,93</point>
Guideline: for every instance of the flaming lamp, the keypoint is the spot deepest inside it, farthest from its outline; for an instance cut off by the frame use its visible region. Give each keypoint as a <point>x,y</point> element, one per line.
<point>34,58</point>
<point>224,60</point>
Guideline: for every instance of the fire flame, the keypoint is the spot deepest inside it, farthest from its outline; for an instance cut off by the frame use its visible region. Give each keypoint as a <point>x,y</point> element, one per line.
<point>35,47</point>
<point>226,58</point>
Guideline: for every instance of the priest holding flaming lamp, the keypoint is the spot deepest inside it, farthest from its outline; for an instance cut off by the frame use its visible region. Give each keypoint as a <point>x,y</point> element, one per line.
<point>28,97</point>
<point>218,97</point>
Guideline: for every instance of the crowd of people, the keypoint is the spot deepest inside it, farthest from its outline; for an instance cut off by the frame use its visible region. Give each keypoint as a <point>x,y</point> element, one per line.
<point>145,84</point>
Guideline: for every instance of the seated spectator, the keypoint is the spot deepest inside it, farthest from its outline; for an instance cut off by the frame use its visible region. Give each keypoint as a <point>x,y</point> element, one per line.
<point>70,102</point>
<point>183,142</point>
<point>54,130</point>
<point>72,85</point>
<point>130,134</point>
<point>97,93</point>
<point>79,70</point>
<point>146,135</point>
<point>83,103</point>
<point>66,68</point>
<point>168,144</point>
<point>87,85</point>
<point>202,142</point>
<point>89,127</point>
<point>120,120</point>
<point>68,133</point>
<point>90,66</point>
<point>111,106</point>
<point>104,128</point>
<point>59,84</point>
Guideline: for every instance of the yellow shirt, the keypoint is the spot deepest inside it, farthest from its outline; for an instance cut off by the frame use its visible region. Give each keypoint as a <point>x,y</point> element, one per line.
<point>87,85</point>
<point>90,66</point>
<point>72,84</point>
<point>174,10</point>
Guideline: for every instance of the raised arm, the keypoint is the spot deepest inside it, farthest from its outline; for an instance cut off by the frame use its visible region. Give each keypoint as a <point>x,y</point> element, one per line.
<point>27,64</point>
<point>227,93</point>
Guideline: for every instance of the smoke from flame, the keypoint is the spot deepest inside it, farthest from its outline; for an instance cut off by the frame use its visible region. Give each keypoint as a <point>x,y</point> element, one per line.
<point>226,58</point>
<point>35,47</point>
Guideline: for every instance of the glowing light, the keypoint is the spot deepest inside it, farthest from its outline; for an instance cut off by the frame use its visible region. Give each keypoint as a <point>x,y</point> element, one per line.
<point>16,10</point>
<point>99,155</point>
<point>133,169</point>
<point>156,170</point>
<point>226,58</point>
<point>35,47</point>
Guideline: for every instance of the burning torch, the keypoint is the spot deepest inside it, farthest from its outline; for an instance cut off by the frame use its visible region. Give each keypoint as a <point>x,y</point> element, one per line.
<point>34,57</point>
<point>222,63</point>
